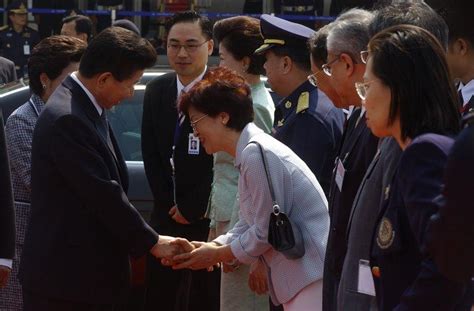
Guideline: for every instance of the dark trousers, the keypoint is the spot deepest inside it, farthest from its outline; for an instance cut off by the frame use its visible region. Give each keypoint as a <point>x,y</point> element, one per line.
<point>180,290</point>
<point>37,302</point>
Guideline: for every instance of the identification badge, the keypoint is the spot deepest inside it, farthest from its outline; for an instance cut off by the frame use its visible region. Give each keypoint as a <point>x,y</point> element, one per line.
<point>193,144</point>
<point>340,171</point>
<point>365,282</point>
<point>26,49</point>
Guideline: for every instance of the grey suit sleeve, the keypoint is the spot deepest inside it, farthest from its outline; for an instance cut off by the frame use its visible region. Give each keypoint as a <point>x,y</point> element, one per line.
<point>12,74</point>
<point>19,135</point>
<point>7,216</point>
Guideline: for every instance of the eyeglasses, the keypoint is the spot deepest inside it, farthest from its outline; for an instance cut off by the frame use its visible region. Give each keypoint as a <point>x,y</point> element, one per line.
<point>313,78</point>
<point>193,123</point>
<point>188,47</point>
<point>364,56</point>
<point>327,67</point>
<point>362,88</point>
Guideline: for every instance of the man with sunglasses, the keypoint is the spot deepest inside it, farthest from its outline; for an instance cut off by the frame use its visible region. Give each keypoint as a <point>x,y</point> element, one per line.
<point>178,169</point>
<point>347,37</point>
<point>305,119</point>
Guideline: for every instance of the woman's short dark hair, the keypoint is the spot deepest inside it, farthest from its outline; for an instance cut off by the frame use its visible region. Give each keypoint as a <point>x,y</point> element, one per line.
<point>221,90</point>
<point>118,51</point>
<point>412,63</point>
<point>241,36</point>
<point>51,56</point>
<point>191,17</point>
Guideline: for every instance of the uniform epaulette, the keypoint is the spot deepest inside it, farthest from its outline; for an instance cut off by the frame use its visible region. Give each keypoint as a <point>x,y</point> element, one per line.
<point>303,102</point>
<point>468,119</point>
<point>4,28</point>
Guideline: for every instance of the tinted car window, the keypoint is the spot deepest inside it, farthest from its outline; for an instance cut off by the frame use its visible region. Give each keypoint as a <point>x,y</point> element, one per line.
<point>126,122</point>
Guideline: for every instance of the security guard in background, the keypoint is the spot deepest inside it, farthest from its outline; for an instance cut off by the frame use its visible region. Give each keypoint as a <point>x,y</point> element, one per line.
<point>305,120</point>
<point>17,40</point>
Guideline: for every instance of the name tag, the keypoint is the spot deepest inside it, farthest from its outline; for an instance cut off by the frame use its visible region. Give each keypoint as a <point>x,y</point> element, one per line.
<point>365,282</point>
<point>193,144</point>
<point>26,49</point>
<point>340,171</point>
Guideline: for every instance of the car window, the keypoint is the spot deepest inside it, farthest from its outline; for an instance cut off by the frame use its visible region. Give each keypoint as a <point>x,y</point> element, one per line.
<point>126,122</point>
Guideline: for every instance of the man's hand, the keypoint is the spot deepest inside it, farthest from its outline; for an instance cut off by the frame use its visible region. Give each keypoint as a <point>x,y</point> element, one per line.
<point>258,278</point>
<point>177,216</point>
<point>204,256</point>
<point>4,275</point>
<point>165,249</point>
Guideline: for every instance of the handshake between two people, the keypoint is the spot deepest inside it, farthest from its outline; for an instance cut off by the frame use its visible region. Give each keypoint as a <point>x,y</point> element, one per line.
<point>179,253</point>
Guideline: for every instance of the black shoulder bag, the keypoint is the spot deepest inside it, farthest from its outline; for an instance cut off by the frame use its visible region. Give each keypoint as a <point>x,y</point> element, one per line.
<point>283,235</point>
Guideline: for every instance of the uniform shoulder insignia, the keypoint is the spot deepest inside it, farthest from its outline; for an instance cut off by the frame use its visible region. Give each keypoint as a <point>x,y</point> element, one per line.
<point>4,28</point>
<point>303,102</point>
<point>468,119</point>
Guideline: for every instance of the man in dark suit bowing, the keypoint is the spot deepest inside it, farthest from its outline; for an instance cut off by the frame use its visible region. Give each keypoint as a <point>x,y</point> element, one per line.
<point>179,175</point>
<point>82,228</point>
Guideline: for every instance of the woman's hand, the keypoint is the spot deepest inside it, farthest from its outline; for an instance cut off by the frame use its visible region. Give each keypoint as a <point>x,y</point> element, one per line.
<point>258,278</point>
<point>205,255</point>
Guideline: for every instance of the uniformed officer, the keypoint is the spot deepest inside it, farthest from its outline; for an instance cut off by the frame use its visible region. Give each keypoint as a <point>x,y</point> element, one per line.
<point>305,120</point>
<point>17,39</point>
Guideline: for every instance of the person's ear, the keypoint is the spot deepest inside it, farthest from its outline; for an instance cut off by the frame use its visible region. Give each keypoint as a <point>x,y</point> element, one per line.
<point>349,64</point>
<point>245,63</point>
<point>45,81</point>
<point>224,116</point>
<point>83,36</point>
<point>210,47</point>
<point>286,64</point>
<point>461,46</point>
<point>103,79</point>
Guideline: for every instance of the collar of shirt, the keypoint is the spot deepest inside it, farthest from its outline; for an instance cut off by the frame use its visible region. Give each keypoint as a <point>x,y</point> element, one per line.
<point>467,91</point>
<point>91,97</point>
<point>182,88</point>
<point>37,102</point>
<point>249,131</point>
<point>293,97</point>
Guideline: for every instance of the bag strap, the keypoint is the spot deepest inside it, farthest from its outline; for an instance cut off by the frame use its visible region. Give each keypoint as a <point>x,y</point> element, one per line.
<point>276,207</point>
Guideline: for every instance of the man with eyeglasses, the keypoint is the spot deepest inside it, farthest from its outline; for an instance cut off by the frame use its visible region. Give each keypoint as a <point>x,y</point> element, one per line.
<point>347,37</point>
<point>178,169</point>
<point>305,119</point>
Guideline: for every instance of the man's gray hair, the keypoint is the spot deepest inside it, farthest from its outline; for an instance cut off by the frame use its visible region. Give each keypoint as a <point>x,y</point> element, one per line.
<point>350,33</point>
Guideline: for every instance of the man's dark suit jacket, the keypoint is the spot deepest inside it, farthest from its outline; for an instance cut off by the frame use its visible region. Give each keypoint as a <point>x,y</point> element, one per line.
<point>451,235</point>
<point>7,218</point>
<point>193,172</point>
<point>82,227</point>
<point>356,153</point>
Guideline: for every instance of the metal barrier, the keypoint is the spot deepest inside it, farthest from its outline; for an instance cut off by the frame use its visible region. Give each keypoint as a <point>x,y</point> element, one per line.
<point>121,13</point>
